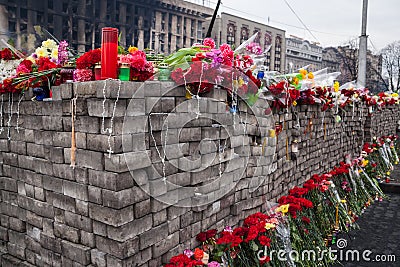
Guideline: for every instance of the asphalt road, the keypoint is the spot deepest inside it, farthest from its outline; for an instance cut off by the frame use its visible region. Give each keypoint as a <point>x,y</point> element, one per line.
<point>379,233</point>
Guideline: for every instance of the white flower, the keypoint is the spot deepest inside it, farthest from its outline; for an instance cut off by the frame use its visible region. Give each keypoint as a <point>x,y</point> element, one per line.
<point>54,53</point>
<point>41,52</point>
<point>49,44</point>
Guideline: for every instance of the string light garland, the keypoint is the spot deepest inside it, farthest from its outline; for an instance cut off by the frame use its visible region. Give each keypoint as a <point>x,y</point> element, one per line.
<point>109,130</point>
<point>1,114</point>
<point>10,109</point>
<point>18,108</point>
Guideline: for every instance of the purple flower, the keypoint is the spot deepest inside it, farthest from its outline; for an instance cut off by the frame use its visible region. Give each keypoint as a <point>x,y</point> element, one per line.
<point>188,253</point>
<point>62,52</point>
<point>213,264</point>
<point>228,229</point>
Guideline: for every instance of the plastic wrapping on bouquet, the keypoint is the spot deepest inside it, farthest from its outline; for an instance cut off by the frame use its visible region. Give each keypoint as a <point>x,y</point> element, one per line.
<point>109,53</point>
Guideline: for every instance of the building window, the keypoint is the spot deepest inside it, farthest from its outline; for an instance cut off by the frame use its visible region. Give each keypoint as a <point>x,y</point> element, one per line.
<point>258,37</point>
<point>178,25</point>
<point>278,47</point>
<point>267,41</point>
<point>199,29</point>
<point>231,34</point>
<point>244,34</point>
<point>164,16</point>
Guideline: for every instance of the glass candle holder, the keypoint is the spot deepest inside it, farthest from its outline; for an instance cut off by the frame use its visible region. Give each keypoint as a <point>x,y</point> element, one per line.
<point>109,53</point>
<point>124,72</point>
<point>97,72</point>
<point>163,72</point>
<point>67,75</point>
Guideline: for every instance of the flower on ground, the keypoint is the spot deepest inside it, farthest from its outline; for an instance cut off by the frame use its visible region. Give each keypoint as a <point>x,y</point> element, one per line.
<point>283,208</point>
<point>188,253</point>
<point>269,226</point>
<point>198,254</point>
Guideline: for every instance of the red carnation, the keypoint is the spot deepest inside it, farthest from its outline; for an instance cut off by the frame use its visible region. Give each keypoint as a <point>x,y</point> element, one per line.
<point>264,240</point>
<point>202,237</point>
<point>306,219</point>
<point>252,234</point>
<point>211,233</point>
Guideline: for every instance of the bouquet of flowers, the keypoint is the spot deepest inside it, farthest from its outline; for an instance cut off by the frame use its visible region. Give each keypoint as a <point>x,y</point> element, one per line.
<point>9,62</point>
<point>141,69</point>
<point>40,69</point>
<point>203,66</point>
<point>85,64</point>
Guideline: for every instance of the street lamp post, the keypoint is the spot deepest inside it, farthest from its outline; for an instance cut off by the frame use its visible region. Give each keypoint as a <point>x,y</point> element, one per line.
<point>362,53</point>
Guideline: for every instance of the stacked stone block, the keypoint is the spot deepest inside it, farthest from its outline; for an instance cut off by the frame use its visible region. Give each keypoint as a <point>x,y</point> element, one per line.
<point>116,207</point>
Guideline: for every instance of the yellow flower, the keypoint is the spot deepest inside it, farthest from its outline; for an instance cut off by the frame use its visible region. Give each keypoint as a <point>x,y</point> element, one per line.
<point>132,49</point>
<point>294,103</point>
<point>395,95</point>
<point>241,81</point>
<point>296,80</point>
<point>54,53</point>
<point>303,72</point>
<point>388,173</point>
<point>310,75</point>
<point>336,86</point>
<point>396,162</point>
<point>269,226</point>
<point>284,209</point>
<point>343,200</point>
<point>49,44</point>
<point>41,52</point>
<point>364,162</point>
<point>359,171</point>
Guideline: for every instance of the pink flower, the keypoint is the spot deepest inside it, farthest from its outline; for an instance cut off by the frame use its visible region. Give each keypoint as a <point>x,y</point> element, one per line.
<point>188,253</point>
<point>213,264</point>
<point>83,75</point>
<point>227,54</point>
<point>209,42</point>
<point>228,229</point>
<point>254,48</point>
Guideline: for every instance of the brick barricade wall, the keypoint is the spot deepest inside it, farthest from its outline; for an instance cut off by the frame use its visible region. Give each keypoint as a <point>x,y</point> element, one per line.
<point>98,213</point>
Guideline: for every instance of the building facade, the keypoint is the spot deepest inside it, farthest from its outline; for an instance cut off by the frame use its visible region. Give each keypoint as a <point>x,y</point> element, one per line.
<point>234,30</point>
<point>162,25</point>
<point>330,59</point>
<point>345,60</point>
<point>300,53</point>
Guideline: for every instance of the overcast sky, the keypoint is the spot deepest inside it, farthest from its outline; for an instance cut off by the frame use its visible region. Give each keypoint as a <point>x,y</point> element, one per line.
<point>331,22</point>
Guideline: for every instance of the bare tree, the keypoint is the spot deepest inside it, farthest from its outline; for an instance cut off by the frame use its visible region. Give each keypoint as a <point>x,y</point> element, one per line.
<point>391,65</point>
<point>348,59</point>
<point>348,56</point>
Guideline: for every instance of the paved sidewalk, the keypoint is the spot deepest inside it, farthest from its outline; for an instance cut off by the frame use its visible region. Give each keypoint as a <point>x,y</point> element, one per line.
<point>379,232</point>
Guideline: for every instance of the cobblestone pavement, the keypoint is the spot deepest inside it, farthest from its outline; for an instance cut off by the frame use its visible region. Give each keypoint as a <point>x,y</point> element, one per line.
<point>379,232</point>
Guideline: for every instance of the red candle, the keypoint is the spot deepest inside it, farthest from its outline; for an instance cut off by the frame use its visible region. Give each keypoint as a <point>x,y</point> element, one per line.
<point>109,53</point>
